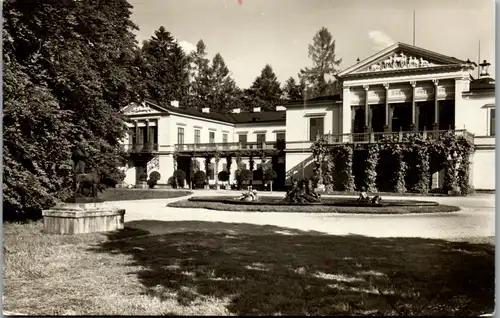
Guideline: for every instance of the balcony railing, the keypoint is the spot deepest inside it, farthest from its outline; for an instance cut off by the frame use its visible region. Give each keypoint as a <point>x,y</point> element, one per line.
<point>233,146</point>
<point>141,148</point>
<point>398,136</point>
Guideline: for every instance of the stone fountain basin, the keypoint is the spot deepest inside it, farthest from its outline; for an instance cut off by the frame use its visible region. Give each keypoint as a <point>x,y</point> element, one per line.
<point>332,201</point>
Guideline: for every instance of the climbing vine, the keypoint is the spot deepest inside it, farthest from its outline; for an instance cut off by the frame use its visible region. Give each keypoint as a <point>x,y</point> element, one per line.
<point>453,152</point>
<point>371,168</point>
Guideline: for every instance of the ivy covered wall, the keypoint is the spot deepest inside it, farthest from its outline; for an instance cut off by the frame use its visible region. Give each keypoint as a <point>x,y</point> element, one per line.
<point>390,165</point>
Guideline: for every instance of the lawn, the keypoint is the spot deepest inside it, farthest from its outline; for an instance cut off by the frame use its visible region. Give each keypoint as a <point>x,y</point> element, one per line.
<point>268,204</point>
<point>113,194</point>
<point>213,268</point>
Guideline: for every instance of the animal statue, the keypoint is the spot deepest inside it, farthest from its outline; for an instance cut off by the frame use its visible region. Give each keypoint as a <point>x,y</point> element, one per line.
<point>375,67</point>
<point>389,62</point>
<point>90,180</point>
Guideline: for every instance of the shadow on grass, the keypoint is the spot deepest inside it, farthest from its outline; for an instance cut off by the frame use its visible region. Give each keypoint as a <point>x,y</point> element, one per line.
<point>267,270</point>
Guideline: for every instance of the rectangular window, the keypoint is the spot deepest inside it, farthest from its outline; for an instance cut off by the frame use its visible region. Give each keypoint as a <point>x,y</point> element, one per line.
<point>280,136</point>
<point>315,128</point>
<point>242,139</point>
<point>224,138</point>
<point>492,122</point>
<point>261,138</point>
<point>211,137</point>
<point>180,135</point>
<point>197,138</point>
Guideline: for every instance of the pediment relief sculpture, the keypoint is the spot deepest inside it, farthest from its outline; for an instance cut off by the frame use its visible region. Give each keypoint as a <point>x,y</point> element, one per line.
<point>139,109</point>
<point>399,61</point>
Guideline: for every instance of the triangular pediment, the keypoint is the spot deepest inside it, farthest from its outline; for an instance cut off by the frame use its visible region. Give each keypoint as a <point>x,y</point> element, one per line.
<point>401,56</point>
<point>144,108</point>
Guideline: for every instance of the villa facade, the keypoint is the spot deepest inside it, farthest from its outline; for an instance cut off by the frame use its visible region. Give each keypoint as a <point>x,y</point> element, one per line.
<point>399,90</point>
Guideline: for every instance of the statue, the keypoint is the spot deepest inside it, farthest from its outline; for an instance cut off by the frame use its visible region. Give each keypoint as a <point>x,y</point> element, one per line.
<point>81,178</point>
<point>365,198</point>
<point>249,196</point>
<point>79,155</point>
<point>302,193</point>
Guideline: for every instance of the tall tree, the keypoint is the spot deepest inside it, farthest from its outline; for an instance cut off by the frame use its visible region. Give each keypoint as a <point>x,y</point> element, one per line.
<point>322,54</point>
<point>223,88</point>
<point>75,63</point>
<point>166,68</point>
<point>200,76</point>
<point>266,89</point>
<point>292,90</point>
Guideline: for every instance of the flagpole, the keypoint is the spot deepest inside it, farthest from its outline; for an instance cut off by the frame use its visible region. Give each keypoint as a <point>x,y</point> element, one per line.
<point>478,58</point>
<point>413,27</point>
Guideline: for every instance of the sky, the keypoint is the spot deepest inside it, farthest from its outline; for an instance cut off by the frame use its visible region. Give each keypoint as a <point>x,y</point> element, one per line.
<point>277,32</point>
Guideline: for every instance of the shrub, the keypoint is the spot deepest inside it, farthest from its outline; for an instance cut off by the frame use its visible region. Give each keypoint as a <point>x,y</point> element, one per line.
<point>243,176</point>
<point>199,179</point>
<point>179,177</point>
<point>143,176</point>
<point>270,175</point>
<point>153,178</point>
<point>223,176</point>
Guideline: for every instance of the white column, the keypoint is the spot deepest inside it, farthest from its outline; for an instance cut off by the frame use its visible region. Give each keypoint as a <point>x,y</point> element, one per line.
<point>387,126</point>
<point>435,125</point>
<point>368,124</point>
<point>413,107</point>
<point>346,110</point>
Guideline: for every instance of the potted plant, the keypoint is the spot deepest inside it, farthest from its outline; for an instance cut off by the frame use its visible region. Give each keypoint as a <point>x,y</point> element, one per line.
<point>153,179</point>
<point>179,178</point>
<point>199,179</point>
<point>223,176</point>
<point>269,176</point>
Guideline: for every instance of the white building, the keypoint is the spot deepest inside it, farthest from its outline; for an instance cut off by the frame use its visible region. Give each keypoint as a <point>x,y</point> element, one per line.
<point>401,88</point>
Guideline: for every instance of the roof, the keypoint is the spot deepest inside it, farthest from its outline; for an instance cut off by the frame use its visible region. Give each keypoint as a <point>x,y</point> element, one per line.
<point>401,57</point>
<point>313,101</point>
<point>232,118</point>
<point>485,83</point>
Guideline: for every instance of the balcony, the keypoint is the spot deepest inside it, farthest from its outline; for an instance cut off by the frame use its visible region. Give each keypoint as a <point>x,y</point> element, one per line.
<point>374,137</point>
<point>233,146</point>
<point>141,148</point>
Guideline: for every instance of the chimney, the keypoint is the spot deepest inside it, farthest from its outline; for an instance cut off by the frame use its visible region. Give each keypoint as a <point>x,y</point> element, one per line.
<point>280,108</point>
<point>205,110</point>
<point>256,109</point>
<point>174,103</point>
<point>236,110</point>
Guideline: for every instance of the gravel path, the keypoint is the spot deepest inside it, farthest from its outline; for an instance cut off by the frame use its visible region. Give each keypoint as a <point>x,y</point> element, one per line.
<point>477,218</point>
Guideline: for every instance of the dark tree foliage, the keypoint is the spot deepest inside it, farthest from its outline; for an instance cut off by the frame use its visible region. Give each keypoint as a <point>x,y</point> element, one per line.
<point>165,68</point>
<point>292,90</point>
<point>265,90</point>
<point>200,77</point>
<point>325,63</point>
<point>69,68</point>
<point>223,93</point>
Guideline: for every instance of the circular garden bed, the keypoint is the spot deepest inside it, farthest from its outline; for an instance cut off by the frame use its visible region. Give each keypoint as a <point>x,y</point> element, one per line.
<point>327,205</point>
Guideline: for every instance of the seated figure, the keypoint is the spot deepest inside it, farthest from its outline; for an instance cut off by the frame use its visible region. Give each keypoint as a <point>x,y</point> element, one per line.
<point>363,196</point>
<point>248,196</point>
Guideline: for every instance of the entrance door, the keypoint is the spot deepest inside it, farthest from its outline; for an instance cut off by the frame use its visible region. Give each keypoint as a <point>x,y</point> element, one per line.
<point>140,167</point>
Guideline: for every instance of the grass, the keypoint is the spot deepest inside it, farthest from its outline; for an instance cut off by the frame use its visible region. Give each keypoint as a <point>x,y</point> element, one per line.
<point>212,268</point>
<point>115,194</point>
<point>218,203</point>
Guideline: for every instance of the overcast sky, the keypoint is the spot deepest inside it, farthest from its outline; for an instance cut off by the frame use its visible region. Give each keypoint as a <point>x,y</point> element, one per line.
<point>278,32</point>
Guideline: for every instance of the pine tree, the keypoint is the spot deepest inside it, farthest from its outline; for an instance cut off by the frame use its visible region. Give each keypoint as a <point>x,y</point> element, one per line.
<point>223,93</point>
<point>266,90</point>
<point>166,68</point>
<point>322,54</point>
<point>200,76</point>
<point>292,90</point>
